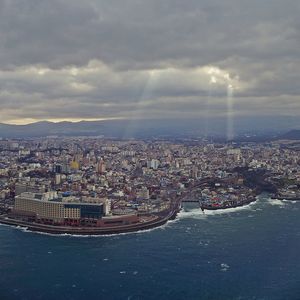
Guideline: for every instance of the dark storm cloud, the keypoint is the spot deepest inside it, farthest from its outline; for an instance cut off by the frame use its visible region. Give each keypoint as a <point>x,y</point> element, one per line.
<point>90,59</point>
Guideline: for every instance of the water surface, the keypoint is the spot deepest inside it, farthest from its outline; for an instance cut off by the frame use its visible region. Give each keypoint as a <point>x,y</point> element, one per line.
<point>245,253</point>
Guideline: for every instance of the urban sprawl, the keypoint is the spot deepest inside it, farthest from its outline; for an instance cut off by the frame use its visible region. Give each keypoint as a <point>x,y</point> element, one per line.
<point>98,185</point>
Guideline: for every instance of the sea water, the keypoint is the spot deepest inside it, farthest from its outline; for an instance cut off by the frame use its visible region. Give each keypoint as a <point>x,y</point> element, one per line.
<point>250,252</point>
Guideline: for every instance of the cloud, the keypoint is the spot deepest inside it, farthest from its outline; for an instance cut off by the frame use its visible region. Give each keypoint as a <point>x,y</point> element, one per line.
<point>131,59</point>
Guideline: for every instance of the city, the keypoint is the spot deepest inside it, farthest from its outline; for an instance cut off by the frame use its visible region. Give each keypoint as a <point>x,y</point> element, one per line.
<point>149,150</point>
<point>99,186</point>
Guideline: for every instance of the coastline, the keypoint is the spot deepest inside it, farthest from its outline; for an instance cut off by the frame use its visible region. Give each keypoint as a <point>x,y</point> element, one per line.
<point>87,231</point>
<point>285,198</point>
<point>35,227</point>
<point>206,207</point>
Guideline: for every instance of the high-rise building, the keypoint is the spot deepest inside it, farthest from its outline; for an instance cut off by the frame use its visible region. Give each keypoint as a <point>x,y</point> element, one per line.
<point>57,179</point>
<point>74,165</point>
<point>101,168</point>
<point>57,168</point>
<point>153,164</point>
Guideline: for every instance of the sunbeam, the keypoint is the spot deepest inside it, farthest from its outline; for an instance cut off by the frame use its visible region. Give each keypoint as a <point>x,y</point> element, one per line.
<point>230,117</point>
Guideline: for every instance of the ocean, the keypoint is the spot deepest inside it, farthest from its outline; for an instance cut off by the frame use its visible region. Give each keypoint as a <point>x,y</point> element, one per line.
<point>252,252</point>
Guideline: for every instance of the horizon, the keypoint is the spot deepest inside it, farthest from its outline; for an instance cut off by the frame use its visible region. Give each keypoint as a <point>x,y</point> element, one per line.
<point>247,128</point>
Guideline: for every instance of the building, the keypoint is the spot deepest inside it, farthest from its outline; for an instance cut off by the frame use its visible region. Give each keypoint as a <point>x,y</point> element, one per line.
<point>50,208</point>
<point>31,187</point>
<point>57,179</point>
<point>101,168</point>
<point>153,164</point>
<point>143,194</point>
<point>74,165</point>
<point>57,168</point>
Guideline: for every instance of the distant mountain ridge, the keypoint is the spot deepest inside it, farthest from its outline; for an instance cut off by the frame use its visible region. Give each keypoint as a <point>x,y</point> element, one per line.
<point>291,135</point>
<point>109,128</point>
<point>140,129</point>
<point>46,128</point>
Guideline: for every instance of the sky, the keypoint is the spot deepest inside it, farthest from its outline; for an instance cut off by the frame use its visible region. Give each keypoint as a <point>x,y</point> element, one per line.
<point>134,59</point>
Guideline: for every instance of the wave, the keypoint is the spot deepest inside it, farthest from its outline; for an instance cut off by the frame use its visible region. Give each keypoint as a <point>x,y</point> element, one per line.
<point>198,214</point>
<point>21,228</point>
<point>276,202</point>
<point>224,267</point>
<point>291,201</point>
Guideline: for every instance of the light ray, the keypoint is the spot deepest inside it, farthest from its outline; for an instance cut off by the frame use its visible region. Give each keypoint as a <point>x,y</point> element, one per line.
<point>208,108</point>
<point>230,117</point>
<point>135,119</point>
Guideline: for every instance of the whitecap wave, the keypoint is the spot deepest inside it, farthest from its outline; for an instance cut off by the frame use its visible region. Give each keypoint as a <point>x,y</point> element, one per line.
<point>197,213</point>
<point>276,202</point>
<point>291,201</point>
<point>224,267</point>
<point>192,214</point>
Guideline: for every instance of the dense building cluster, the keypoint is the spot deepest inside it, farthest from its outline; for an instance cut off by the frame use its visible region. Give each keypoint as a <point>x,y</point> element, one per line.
<point>132,176</point>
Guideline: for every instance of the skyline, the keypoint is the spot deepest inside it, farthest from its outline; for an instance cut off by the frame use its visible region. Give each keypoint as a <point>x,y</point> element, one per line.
<point>98,60</point>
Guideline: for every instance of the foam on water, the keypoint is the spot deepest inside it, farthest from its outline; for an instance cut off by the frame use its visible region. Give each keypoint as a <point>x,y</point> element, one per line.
<point>192,214</point>
<point>291,201</point>
<point>276,202</point>
<point>197,213</point>
<point>90,235</point>
<point>224,267</point>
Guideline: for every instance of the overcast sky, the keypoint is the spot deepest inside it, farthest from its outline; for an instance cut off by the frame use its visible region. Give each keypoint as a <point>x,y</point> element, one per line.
<point>73,60</point>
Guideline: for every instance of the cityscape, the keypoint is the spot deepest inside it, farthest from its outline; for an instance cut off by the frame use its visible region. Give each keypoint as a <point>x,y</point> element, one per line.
<point>103,186</point>
<point>149,150</point>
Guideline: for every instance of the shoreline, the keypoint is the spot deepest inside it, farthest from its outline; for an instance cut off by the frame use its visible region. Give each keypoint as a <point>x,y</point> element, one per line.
<point>98,231</point>
<point>205,207</point>
<point>85,231</point>
<point>285,198</point>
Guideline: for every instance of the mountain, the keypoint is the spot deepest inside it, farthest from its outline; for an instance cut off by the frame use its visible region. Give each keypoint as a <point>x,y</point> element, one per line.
<point>246,129</point>
<point>109,128</point>
<point>291,135</point>
<point>45,128</point>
